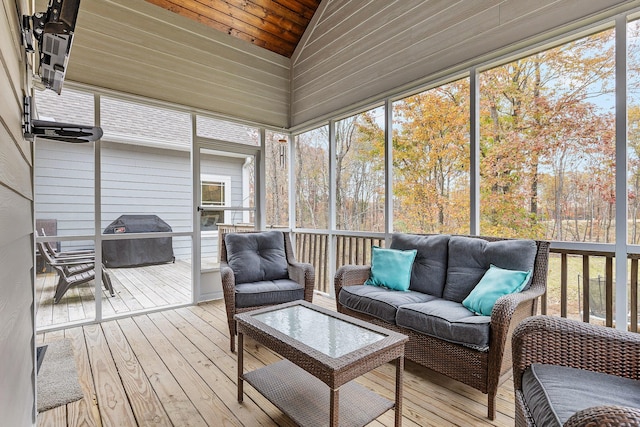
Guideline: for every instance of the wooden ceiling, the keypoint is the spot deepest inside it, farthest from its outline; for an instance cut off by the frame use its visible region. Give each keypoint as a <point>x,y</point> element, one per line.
<point>276,25</point>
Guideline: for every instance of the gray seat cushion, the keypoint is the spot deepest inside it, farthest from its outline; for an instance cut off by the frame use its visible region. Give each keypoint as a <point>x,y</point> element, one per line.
<point>378,302</point>
<point>447,320</point>
<point>554,393</point>
<point>254,257</point>
<point>430,265</point>
<point>268,292</point>
<point>470,258</point>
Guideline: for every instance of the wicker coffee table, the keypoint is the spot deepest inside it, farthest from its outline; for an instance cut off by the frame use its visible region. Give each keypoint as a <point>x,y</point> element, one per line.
<point>324,351</point>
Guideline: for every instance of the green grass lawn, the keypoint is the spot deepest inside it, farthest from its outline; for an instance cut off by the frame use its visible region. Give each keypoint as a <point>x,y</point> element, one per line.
<point>574,284</point>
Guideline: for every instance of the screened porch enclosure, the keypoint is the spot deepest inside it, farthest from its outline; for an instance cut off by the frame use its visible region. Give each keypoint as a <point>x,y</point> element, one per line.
<point>529,146</point>
<point>504,148</point>
<point>135,192</point>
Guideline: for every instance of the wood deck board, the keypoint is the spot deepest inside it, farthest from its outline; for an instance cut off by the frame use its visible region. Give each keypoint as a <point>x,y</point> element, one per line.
<point>199,392</point>
<point>115,408</point>
<point>175,367</point>
<point>144,402</point>
<point>174,400</point>
<point>136,289</point>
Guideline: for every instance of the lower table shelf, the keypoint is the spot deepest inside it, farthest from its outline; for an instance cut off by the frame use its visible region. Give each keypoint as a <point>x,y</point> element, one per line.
<point>305,399</point>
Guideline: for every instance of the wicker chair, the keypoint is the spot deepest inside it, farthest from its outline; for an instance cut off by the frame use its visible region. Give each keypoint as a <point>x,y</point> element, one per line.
<point>482,370</point>
<point>574,344</point>
<point>301,273</point>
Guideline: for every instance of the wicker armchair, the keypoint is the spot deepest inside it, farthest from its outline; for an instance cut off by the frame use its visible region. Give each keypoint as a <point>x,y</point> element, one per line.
<point>482,370</point>
<point>574,344</point>
<point>263,290</point>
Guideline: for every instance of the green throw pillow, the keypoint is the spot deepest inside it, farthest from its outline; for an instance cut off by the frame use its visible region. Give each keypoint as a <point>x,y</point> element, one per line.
<point>495,283</point>
<point>391,268</point>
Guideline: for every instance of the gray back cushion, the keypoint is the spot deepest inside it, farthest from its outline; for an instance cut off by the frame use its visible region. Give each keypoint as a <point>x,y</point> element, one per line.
<point>470,258</point>
<point>430,265</point>
<point>255,257</point>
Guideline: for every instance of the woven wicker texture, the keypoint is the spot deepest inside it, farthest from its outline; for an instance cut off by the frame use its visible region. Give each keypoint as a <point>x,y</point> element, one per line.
<point>559,341</point>
<point>605,416</point>
<point>306,399</point>
<point>483,371</point>
<point>302,273</point>
<point>333,372</point>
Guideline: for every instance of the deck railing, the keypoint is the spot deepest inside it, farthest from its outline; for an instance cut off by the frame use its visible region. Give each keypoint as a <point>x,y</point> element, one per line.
<point>580,284</point>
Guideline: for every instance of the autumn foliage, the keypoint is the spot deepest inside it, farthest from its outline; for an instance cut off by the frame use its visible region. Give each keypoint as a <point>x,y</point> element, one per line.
<point>546,154</point>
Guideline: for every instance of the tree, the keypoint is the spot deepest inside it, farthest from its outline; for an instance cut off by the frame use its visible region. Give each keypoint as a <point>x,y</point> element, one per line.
<point>277,180</point>
<point>431,160</point>
<point>312,181</point>
<point>537,115</point>
<point>360,173</point>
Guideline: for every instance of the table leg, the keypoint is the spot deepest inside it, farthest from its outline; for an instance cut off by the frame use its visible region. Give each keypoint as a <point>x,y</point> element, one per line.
<point>240,366</point>
<point>399,371</point>
<point>334,408</point>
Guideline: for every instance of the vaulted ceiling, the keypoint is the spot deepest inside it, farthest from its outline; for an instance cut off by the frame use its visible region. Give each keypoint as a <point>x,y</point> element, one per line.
<point>276,25</point>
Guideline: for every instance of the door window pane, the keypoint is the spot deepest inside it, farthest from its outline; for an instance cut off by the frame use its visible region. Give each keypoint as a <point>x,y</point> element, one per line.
<point>215,193</point>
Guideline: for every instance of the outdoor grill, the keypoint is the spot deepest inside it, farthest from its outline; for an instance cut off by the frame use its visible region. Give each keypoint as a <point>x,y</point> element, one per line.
<point>135,252</point>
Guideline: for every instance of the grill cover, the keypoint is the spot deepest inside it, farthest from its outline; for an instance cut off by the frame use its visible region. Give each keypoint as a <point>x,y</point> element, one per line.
<point>135,252</point>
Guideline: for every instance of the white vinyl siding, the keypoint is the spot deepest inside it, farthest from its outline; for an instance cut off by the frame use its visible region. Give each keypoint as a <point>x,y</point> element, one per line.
<point>135,180</point>
<point>16,230</point>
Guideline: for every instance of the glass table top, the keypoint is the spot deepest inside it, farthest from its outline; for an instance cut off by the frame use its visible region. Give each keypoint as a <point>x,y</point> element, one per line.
<point>327,334</point>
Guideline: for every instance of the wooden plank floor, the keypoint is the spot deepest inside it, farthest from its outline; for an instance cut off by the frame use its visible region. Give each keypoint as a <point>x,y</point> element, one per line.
<point>136,289</point>
<point>174,368</point>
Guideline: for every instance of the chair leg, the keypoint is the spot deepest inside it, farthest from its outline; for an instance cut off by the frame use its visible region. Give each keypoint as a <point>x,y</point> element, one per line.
<point>232,335</point>
<point>106,280</point>
<point>61,288</point>
<point>491,406</point>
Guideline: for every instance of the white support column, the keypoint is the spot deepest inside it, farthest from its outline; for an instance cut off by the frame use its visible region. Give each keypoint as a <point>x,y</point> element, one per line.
<point>388,167</point>
<point>292,180</point>
<point>621,298</point>
<point>260,202</point>
<point>474,155</point>
<point>97,203</point>
<point>332,175</point>
<point>332,203</point>
<point>196,243</point>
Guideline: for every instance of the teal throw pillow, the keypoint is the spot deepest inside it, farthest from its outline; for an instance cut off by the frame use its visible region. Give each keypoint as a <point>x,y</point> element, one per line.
<point>495,283</point>
<point>391,268</point>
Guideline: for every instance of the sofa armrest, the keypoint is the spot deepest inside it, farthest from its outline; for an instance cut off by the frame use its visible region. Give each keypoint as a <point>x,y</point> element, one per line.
<point>605,416</point>
<point>507,313</point>
<point>511,309</point>
<point>572,343</point>
<point>304,274</point>
<point>349,275</point>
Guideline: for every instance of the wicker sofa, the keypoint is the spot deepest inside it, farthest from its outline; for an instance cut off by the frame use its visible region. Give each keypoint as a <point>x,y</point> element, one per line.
<point>443,334</point>
<point>571,373</point>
